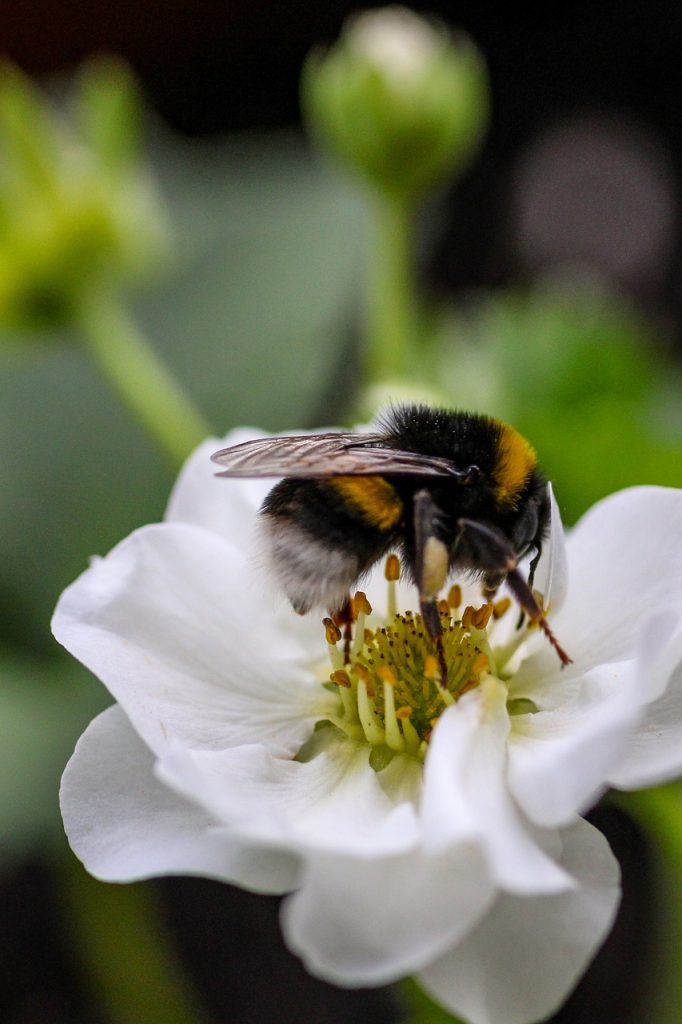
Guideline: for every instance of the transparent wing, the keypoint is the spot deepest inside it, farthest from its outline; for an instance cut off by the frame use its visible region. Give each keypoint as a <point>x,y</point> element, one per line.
<point>320,455</point>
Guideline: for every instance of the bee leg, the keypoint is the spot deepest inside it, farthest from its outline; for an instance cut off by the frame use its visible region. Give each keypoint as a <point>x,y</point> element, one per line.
<point>343,618</point>
<point>493,554</point>
<point>432,562</point>
<point>531,576</point>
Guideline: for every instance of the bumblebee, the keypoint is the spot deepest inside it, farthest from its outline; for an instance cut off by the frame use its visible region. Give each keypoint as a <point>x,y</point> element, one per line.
<point>451,491</point>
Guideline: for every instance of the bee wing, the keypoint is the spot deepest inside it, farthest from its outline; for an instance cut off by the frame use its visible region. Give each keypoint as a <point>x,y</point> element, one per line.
<point>321,455</point>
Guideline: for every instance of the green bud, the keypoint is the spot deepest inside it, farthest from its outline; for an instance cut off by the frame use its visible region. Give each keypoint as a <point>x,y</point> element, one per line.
<point>398,99</point>
<point>78,209</point>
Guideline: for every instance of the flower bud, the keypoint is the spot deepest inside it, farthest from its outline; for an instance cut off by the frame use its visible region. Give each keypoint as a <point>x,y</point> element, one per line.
<point>398,99</point>
<point>77,207</point>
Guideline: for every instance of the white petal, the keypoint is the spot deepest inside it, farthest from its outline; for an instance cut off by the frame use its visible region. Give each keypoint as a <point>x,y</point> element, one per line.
<point>465,787</point>
<point>368,922</point>
<point>528,953</point>
<point>625,557</point>
<point>125,825</point>
<point>333,802</point>
<point>654,752</point>
<point>551,578</point>
<point>226,507</point>
<point>560,758</point>
<point>170,625</point>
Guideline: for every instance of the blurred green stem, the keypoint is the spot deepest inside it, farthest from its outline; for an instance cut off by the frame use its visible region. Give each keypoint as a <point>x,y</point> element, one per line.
<point>418,1008</point>
<point>134,371</point>
<point>659,812</point>
<point>391,312</point>
<point>128,963</point>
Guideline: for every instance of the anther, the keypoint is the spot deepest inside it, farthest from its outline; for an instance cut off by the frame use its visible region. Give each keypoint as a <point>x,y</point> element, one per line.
<point>331,631</point>
<point>481,616</point>
<point>360,604</point>
<point>392,568</point>
<point>500,607</point>
<point>362,672</point>
<point>454,598</point>
<point>387,675</point>
<point>341,677</point>
<point>431,667</point>
<point>481,663</point>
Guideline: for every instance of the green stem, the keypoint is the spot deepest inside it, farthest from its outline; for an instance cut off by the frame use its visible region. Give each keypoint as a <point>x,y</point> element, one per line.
<point>659,812</point>
<point>391,315</point>
<point>418,1008</point>
<point>128,964</point>
<point>134,371</point>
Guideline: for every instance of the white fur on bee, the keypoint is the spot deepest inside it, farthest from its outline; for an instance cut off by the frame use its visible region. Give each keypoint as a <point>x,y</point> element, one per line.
<point>311,573</point>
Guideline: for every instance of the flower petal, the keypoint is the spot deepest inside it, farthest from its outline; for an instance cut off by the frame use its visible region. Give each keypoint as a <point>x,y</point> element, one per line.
<point>226,507</point>
<point>527,954</point>
<point>654,751</point>
<point>465,788</point>
<point>170,625</point>
<point>125,825</point>
<point>559,758</point>
<point>620,566</point>
<point>369,922</point>
<point>332,802</point>
<point>551,578</point>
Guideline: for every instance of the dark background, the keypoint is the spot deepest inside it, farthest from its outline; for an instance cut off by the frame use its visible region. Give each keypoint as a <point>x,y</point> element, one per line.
<point>582,93</point>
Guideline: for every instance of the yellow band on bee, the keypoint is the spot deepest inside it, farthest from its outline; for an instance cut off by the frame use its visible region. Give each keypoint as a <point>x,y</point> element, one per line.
<point>372,497</point>
<point>515,462</point>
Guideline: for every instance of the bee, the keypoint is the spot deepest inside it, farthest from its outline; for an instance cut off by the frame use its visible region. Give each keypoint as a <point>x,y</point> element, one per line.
<point>452,492</point>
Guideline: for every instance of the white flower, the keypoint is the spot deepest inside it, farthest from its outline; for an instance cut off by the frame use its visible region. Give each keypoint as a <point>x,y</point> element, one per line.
<point>462,856</point>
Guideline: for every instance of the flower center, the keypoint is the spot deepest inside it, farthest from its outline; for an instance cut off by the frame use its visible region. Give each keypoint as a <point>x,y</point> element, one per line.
<point>388,679</point>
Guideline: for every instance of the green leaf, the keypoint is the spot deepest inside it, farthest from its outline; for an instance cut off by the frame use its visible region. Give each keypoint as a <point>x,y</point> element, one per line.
<point>573,370</point>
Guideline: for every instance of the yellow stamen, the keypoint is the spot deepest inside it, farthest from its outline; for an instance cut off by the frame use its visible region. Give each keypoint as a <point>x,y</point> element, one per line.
<point>387,674</point>
<point>394,737</point>
<point>331,630</point>
<point>481,664</point>
<point>481,616</point>
<point>392,568</point>
<point>369,720</point>
<point>431,667</point>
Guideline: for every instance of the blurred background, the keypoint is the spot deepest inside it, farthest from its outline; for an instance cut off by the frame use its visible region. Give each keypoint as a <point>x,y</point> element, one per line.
<point>551,276</point>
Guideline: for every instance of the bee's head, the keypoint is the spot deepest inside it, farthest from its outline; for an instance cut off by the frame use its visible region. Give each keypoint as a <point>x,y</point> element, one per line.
<point>529,523</point>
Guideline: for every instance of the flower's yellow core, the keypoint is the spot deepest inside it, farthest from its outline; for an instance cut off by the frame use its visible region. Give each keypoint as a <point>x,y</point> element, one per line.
<point>389,679</point>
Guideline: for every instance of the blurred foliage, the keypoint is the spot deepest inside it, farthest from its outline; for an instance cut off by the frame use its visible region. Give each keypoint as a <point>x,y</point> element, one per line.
<point>580,373</point>
<point>42,710</point>
<point>77,203</point>
<point>418,1008</point>
<point>254,316</point>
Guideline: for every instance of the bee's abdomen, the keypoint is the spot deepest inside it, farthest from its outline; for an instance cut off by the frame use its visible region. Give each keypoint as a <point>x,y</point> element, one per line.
<point>321,535</point>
